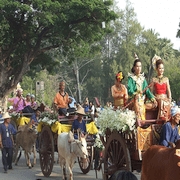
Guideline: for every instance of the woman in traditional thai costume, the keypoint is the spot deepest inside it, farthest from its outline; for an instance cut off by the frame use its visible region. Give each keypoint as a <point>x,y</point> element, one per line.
<point>119,91</point>
<point>138,90</point>
<point>161,89</point>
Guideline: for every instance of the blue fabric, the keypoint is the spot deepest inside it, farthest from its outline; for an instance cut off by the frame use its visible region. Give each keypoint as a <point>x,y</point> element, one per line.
<point>7,141</point>
<point>62,111</point>
<point>168,134</point>
<point>71,105</point>
<point>77,125</point>
<point>1,120</point>
<point>7,155</point>
<point>33,117</point>
<point>86,108</point>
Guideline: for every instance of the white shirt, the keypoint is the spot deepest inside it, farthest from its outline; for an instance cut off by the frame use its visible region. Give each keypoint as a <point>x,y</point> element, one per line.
<point>92,109</point>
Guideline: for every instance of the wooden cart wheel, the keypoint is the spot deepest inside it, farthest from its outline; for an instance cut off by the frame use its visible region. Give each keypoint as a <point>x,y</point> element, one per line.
<point>86,169</point>
<point>116,156</point>
<point>46,151</point>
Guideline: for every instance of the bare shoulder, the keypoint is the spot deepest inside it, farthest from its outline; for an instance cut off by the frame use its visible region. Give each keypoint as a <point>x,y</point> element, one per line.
<point>112,87</point>
<point>123,86</point>
<point>166,79</point>
<point>154,79</point>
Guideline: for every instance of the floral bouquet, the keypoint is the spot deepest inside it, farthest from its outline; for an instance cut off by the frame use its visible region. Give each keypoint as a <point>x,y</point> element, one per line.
<point>121,120</point>
<point>98,143</point>
<point>15,115</point>
<point>48,118</point>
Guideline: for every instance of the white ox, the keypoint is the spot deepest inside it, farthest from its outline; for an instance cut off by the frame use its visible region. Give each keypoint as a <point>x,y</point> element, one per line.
<point>26,138</point>
<point>68,150</point>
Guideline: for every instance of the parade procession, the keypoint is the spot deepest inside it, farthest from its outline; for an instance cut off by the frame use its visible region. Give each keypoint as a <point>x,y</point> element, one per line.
<point>86,92</point>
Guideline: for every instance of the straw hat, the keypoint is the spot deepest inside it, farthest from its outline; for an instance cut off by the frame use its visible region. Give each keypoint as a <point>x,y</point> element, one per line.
<point>6,115</point>
<point>80,110</point>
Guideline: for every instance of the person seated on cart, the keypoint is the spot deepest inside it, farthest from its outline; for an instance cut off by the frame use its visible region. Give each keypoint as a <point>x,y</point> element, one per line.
<point>28,99</point>
<point>72,105</point>
<point>36,115</point>
<point>18,102</point>
<point>169,133</point>
<point>119,91</point>
<point>34,103</point>
<point>161,89</point>
<point>28,105</point>
<point>138,89</point>
<point>61,99</point>
<point>86,105</point>
<point>79,123</point>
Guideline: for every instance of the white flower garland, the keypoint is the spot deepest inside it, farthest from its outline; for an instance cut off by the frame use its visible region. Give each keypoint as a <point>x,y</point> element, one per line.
<point>48,118</point>
<point>48,121</point>
<point>121,120</point>
<point>98,143</point>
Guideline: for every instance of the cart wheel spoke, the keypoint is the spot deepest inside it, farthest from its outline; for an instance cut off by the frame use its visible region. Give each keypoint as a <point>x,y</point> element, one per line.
<point>116,155</point>
<point>46,152</point>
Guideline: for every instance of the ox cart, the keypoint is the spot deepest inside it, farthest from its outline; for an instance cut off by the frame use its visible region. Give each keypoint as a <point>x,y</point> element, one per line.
<point>124,150</point>
<point>48,145</point>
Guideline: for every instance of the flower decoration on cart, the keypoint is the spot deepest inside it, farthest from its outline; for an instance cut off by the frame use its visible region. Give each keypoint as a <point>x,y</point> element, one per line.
<point>98,143</point>
<point>120,120</point>
<point>19,119</point>
<point>48,118</point>
<point>51,119</point>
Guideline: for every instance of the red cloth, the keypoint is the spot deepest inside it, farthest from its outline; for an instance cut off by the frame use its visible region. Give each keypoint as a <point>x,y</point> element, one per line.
<point>160,88</point>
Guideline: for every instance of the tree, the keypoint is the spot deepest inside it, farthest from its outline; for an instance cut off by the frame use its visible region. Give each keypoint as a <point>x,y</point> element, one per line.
<point>119,47</point>
<point>31,28</point>
<point>50,86</point>
<point>117,53</point>
<point>149,45</point>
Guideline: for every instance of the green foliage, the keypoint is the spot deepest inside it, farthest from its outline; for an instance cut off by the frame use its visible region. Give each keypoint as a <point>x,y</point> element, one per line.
<point>76,30</point>
<point>172,72</point>
<point>29,29</point>
<point>50,87</point>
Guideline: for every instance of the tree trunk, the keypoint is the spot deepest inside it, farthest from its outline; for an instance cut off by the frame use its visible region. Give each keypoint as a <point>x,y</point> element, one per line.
<point>11,76</point>
<point>3,104</point>
<point>76,72</point>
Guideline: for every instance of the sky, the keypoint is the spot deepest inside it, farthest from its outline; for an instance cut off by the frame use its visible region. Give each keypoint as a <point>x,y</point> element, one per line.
<point>163,16</point>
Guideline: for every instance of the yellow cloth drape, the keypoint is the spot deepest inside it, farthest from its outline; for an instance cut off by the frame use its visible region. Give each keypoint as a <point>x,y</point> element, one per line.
<point>39,127</point>
<point>66,127</point>
<point>91,128</point>
<point>22,121</point>
<point>57,127</point>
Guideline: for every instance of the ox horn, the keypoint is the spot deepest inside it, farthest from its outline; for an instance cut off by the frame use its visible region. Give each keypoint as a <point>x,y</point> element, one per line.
<point>78,132</point>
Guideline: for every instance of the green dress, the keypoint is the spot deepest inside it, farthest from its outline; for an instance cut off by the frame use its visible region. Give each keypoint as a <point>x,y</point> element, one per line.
<point>137,84</point>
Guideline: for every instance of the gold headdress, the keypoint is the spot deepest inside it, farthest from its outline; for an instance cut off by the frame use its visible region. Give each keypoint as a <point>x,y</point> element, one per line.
<point>136,56</point>
<point>154,59</point>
